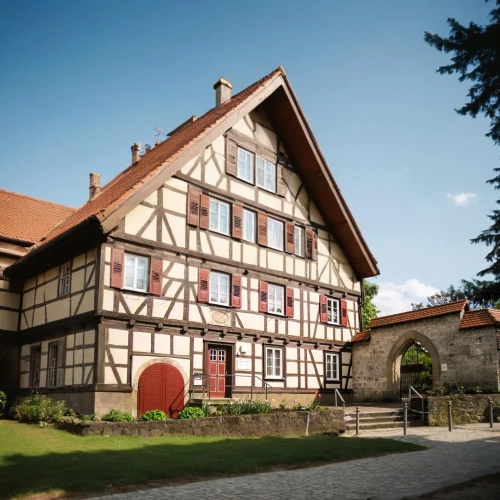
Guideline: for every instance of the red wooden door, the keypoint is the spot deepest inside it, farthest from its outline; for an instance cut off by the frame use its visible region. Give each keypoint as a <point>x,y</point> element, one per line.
<point>217,369</point>
<point>161,387</point>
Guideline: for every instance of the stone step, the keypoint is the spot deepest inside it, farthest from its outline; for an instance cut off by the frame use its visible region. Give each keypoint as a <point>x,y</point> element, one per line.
<point>376,418</point>
<point>381,425</point>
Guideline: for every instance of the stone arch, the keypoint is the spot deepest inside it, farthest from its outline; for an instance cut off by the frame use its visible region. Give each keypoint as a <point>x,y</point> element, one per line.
<point>396,355</point>
<point>147,364</point>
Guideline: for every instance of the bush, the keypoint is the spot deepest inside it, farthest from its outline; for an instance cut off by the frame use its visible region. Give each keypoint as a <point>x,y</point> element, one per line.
<point>191,412</point>
<point>38,408</point>
<point>207,410</point>
<point>244,407</point>
<point>117,416</point>
<point>154,415</point>
<point>3,400</point>
<point>89,418</point>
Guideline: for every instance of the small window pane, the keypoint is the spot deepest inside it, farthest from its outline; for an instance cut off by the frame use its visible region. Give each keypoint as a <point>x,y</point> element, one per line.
<point>266,174</point>
<point>249,225</point>
<point>136,272</point>
<point>275,234</point>
<point>219,216</point>
<point>299,241</point>
<point>219,288</point>
<point>245,165</point>
<point>274,365</point>
<point>275,299</point>
<point>332,366</point>
<point>333,311</point>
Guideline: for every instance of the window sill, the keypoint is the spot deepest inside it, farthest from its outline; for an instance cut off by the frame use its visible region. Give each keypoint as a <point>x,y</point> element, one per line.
<point>135,290</point>
<point>216,304</point>
<point>218,232</point>
<point>266,190</point>
<point>330,380</point>
<point>279,315</point>
<point>267,379</point>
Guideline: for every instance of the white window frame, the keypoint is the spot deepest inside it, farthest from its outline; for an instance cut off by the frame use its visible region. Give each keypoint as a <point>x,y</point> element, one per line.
<point>329,373</point>
<point>252,165</point>
<point>268,170</point>
<point>64,280</point>
<point>217,227</point>
<point>271,232</point>
<point>214,274</point>
<point>251,228</point>
<point>272,291</point>
<point>134,287</point>
<point>298,241</point>
<point>274,365</point>
<point>330,306</point>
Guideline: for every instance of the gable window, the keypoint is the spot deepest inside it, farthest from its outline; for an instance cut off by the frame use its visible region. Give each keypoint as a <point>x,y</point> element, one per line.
<point>266,174</point>
<point>52,364</point>
<point>219,288</point>
<point>136,272</point>
<point>219,216</point>
<point>333,311</point>
<point>35,364</point>
<point>274,234</point>
<point>276,299</point>
<point>299,241</point>
<point>64,279</point>
<point>332,366</point>
<point>245,165</point>
<point>248,225</point>
<point>274,362</point>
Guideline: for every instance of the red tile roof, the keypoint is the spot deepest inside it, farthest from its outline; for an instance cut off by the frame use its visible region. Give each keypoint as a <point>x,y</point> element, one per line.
<point>26,219</point>
<point>427,312</point>
<point>480,317</point>
<point>361,337</point>
<point>137,175</point>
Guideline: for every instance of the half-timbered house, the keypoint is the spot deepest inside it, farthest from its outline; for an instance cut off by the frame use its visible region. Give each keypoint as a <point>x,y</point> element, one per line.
<point>222,263</point>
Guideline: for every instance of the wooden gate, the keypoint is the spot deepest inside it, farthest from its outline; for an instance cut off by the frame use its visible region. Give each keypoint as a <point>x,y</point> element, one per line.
<point>161,387</point>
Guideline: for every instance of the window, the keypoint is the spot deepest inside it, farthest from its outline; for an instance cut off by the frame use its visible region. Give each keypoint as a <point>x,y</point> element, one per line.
<point>64,279</point>
<point>219,288</point>
<point>136,273</point>
<point>245,165</point>
<point>266,174</point>
<point>35,361</point>
<point>275,299</point>
<point>299,241</point>
<point>333,311</point>
<point>52,364</point>
<point>219,216</point>
<point>274,234</point>
<point>332,369</point>
<point>248,225</point>
<point>274,362</point>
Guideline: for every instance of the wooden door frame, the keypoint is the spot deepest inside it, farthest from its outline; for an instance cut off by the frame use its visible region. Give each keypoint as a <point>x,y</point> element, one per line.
<point>230,360</point>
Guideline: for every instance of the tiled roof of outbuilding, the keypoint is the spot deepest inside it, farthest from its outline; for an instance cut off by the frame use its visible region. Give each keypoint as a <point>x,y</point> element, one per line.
<point>26,219</point>
<point>480,317</point>
<point>361,337</point>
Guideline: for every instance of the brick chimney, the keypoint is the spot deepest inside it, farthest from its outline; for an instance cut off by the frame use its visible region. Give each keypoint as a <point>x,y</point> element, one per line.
<point>136,147</point>
<point>223,90</point>
<point>95,185</point>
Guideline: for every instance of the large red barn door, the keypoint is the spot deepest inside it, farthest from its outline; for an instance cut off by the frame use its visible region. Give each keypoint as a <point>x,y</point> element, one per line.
<point>161,387</point>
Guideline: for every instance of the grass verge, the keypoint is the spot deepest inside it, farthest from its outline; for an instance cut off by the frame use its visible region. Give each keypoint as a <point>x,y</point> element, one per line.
<point>37,461</point>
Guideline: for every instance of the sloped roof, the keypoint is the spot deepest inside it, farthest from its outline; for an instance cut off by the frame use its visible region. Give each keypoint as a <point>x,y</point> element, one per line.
<point>127,185</point>
<point>361,337</point>
<point>25,219</point>
<point>427,312</point>
<point>480,317</point>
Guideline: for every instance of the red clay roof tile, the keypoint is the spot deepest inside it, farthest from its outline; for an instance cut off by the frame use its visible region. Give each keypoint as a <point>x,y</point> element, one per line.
<point>480,317</point>
<point>361,337</point>
<point>26,219</point>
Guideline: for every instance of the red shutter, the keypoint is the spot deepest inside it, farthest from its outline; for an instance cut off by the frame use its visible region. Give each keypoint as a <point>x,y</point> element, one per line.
<point>263,288</point>
<point>323,309</point>
<point>204,211</point>
<point>236,294</point>
<point>117,260</point>
<point>194,207</point>
<point>237,221</point>
<point>155,276</point>
<point>203,277</point>
<point>290,238</point>
<point>343,312</point>
<point>262,229</point>
<point>231,152</point>
<point>311,244</point>
<point>289,302</point>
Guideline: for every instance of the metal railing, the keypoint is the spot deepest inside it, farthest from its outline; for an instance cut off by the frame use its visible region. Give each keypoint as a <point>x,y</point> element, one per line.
<point>422,399</point>
<point>204,376</point>
<point>338,395</point>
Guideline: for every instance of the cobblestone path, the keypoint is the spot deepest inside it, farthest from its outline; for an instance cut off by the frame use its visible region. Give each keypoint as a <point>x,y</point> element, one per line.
<point>451,458</point>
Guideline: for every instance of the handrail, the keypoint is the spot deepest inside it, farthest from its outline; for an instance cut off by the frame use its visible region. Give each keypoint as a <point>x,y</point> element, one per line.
<point>341,399</point>
<point>422,398</point>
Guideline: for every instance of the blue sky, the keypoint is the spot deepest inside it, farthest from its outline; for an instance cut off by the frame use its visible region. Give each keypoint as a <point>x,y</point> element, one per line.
<point>83,80</point>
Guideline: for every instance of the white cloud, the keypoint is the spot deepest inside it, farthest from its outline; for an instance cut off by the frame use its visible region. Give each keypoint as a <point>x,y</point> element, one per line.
<point>393,298</point>
<point>462,199</point>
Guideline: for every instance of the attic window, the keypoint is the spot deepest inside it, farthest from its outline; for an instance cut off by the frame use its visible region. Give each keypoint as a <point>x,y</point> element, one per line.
<point>64,279</point>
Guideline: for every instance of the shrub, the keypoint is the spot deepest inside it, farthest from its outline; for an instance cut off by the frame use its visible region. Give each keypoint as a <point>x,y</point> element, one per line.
<point>88,418</point>
<point>191,412</point>
<point>117,416</point>
<point>207,410</point>
<point>244,407</point>
<point>154,415</point>
<point>3,400</point>
<point>38,408</point>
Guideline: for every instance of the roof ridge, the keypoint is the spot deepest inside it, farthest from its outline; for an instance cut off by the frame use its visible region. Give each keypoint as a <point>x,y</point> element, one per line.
<point>37,199</point>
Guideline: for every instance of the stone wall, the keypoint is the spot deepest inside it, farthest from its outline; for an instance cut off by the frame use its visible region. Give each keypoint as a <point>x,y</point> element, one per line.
<point>467,357</point>
<point>465,408</point>
<point>267,424</point>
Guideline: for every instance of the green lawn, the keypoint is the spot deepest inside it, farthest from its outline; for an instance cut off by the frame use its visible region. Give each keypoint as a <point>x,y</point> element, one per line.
<point>35,460</point>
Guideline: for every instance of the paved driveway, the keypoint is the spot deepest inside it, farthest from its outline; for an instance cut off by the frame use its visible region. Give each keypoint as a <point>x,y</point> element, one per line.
<point>451,458</point>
